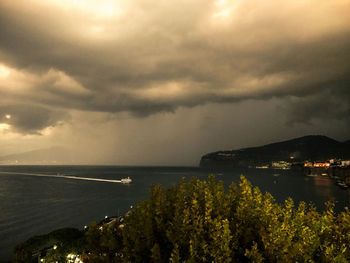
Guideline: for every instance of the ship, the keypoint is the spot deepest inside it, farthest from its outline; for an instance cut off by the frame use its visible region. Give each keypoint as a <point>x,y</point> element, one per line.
<point>126,180</point>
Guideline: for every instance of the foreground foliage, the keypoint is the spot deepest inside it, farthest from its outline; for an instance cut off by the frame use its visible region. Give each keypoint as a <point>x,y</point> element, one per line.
<point>198,221</point>
<point>64,240</point>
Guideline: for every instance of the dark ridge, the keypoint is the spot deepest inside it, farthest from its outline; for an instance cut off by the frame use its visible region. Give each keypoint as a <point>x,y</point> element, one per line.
<point>311,147</point>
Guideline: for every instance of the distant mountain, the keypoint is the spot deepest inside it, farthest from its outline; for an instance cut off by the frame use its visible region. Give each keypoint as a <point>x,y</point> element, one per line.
<point>53,155</point>
<point>312,147</point>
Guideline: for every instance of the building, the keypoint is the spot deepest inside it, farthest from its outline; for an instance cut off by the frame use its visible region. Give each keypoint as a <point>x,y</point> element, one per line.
<point>281,165</point>
<point>345,163</point>
<point>322,164</point>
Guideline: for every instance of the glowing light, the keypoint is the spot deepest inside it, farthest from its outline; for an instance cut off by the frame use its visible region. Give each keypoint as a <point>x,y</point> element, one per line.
<point>8,116</point>
<point>221,2</point>
<point>224,10</point>
<point>322,164</point>
<point>4,126</point>
<point>46,131</point>
<point>73,258</point>
<point>4,72</point>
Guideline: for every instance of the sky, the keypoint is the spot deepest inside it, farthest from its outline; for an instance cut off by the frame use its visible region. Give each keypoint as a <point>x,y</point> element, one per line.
<point>159,82</point>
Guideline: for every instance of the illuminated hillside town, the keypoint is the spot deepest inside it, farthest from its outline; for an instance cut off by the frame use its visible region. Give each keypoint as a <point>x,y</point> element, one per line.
<point>337,169</point>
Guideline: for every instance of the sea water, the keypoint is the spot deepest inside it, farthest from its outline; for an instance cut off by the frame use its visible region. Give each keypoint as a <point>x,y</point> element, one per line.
<point>34,205</point>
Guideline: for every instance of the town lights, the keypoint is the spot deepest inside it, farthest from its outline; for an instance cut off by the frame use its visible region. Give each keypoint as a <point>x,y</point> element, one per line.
<point>72,258</point>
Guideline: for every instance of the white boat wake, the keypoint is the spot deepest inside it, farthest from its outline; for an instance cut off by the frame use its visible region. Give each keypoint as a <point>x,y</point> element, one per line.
<point>123,181</point>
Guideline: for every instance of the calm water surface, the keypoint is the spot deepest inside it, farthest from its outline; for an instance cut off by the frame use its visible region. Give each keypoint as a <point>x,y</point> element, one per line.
<point>31,205</point>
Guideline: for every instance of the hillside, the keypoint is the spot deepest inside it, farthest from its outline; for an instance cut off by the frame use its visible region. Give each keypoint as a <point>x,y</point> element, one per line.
<point>312,147</point>
<point>53,155</point>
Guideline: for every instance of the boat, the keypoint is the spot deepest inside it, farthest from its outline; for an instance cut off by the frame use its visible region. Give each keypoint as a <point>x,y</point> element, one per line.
<point>126,180</point>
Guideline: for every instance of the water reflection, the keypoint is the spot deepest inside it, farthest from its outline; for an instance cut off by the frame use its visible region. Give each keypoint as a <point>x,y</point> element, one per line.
<point>323,186</point>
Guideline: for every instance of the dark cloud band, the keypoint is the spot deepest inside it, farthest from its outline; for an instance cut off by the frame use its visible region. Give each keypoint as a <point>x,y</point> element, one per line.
<point>157,58</point>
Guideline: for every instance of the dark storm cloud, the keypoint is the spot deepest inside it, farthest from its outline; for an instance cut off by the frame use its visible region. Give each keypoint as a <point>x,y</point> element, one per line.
<point>157,56</point>
<point>328,104</point>
<point>30,119</point>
